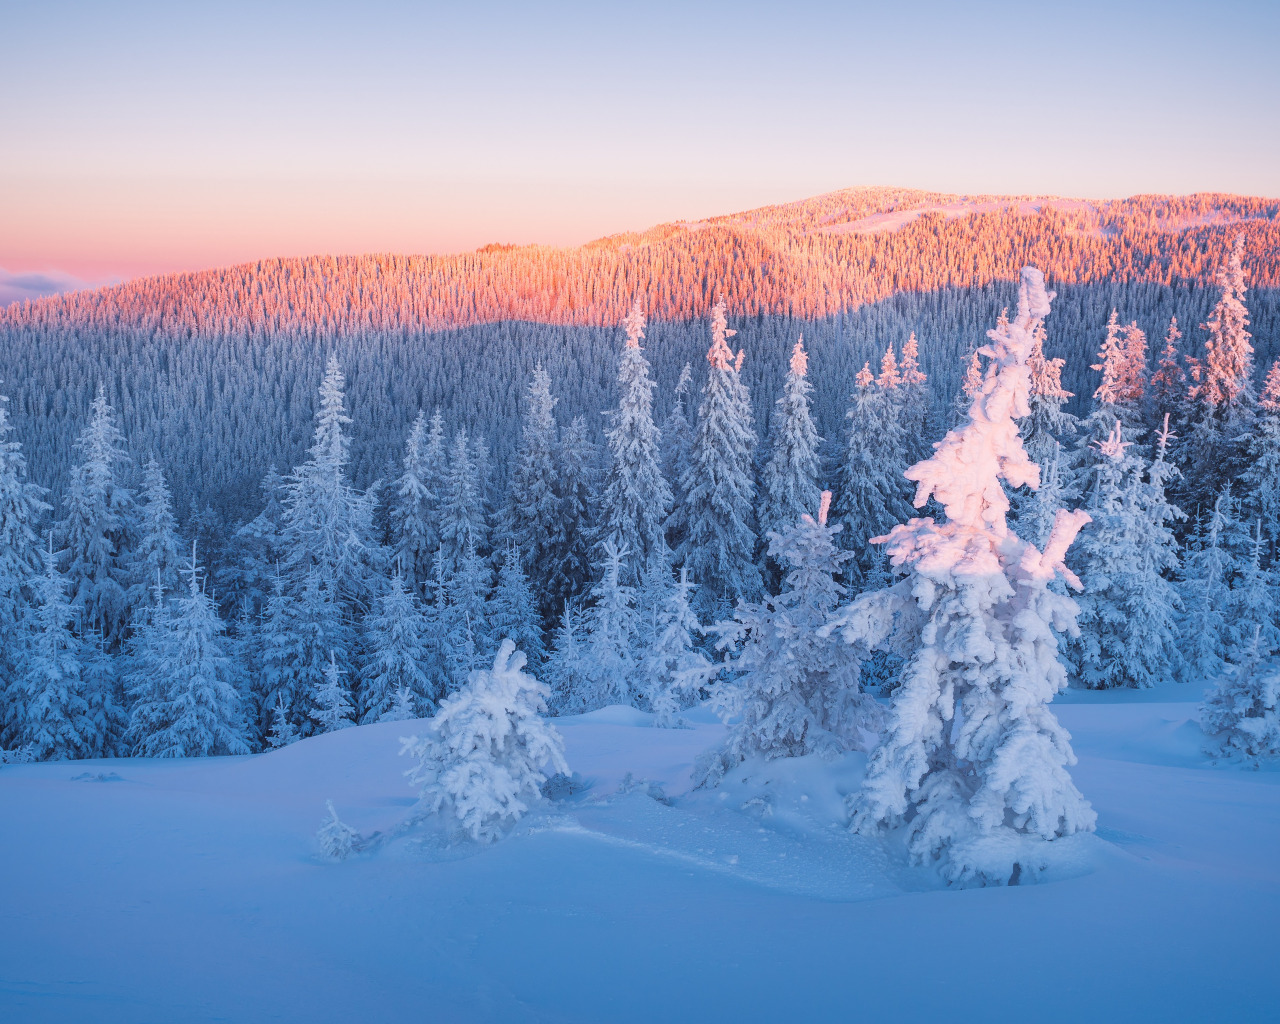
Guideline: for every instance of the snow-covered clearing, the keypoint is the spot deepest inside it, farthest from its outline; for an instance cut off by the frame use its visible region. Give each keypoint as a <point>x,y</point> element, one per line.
<point>140,890</point>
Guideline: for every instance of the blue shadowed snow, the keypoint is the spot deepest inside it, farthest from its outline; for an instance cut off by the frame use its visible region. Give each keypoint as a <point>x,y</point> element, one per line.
<point>146,891</point>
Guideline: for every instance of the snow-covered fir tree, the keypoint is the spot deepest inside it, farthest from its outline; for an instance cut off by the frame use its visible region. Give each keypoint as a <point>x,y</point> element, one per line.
<point>788,688</point>
<point>914,400</point>
<point>1129,609</point>
<point>1251,612</point>
<point>283,731</point>
<point>22,505</point>
<point>467,636</point>
<point>611,666</point>
<point>253,555</point>
<point>1240,714</point>
<point>53,716</point>
<point>579,492</point>
<point>512,612</point>
<point>1207,571</point>
<point>332,708</point>
<point>1261,477</point>
<point>677,445</point>
<point>97,530</point>
<point>1167,389</point>
<point>973,764</point>
<point>533,522</point>
<point>155,554</point>
<point>396,656</point>
<point>327,525</point>
<point>1221,394</point>
<point>415,509</point>
<point>190,707</point>
<point>871,490</point>
<point>789,480</point>
<point>488,751</point>
<point>568,663</point>
<point>718,517</point>
<point>674,670</point>
<point>636,496</point>
<point>463,519</point>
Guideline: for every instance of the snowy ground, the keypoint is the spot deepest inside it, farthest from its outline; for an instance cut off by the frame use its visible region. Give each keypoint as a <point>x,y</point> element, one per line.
<point>148,891</point>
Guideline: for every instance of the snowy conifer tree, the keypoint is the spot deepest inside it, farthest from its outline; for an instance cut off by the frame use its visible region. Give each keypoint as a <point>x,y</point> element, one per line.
<point>512,614</point>
<point>332,709</point>
<point>974,764</point>
<point>467,637</point>
<point>534,522</point>
<point>636,496</point>
<point>719,485</point>
<point>1222,393</point>
<point>155,555</point>
<point>488,752</point>
<point>415,511</point>
<point>1129,610</point>
<point>871,488</point>
<point>579,492</point>
<point>463,523</point>
<point>1241,712</point>
<point>1261,477</point>
<point>1251,612</point>
<point>914,400</point>
<point>97,530</point>
<point>395,639</point>
<point>190,708</point>
<point>1207,571</point>
<point>327,526</point>
<point>790,689</point>
<point>673,668</point>
<point>789,481</point>
<point>22,505</point>
<point>283,732</point>
<point>567,665</point>
<point>1167,389</point>
<point>610,669</point>
<point>53,714</point>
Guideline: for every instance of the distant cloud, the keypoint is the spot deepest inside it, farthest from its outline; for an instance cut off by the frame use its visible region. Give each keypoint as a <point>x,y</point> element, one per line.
<point>16,287</point>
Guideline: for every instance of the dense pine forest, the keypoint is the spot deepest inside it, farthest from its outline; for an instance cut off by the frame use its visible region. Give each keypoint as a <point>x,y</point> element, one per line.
<point>246,506</point>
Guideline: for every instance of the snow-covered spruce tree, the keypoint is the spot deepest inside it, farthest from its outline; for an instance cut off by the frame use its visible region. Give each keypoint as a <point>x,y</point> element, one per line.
<point>327,525</point>
<point>253,555</point>
<point>323,634</point>
<point>22,505</point>
<point>192,707</point>
<point>1240,714</point>
<point>1261,477</point>
<point>789,481</point>
<point>488,752</point>
<point>463,523</point>
<point>636,496</point>
<point>282,732</point>
<point>611,666</point>
<point>396,655</point>
<point>1129,610</point>
<point>512,613</point>
<point>789,688</point>
<point>97,531</point>
<point>914,400</point>
<point>467,636</point>
<point>567,665</point>
<point>1251,612</point>
<point>719,486</point>
<point>973,764</point>
<point>677,446</point>
<point>533,521</point>
<point>1222,394</point>
<point>1047,434</point>
<point>871,491</point>
<point>970,385</point>
<point>673,669</point>
<point>1119,396</point>
<point>332,710</point>
<point>154,557</point>
<point>53,713</point>
<point>1206,574</point>
<point>1167,389</point>
<point>415,510</point>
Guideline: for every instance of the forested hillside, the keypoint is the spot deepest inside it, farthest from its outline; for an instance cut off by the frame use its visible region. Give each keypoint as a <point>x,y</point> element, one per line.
<point>215,373</point>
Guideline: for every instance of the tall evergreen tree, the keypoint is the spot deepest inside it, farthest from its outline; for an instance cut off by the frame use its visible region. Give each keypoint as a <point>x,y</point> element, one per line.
<point>673,669</point>
<point>973,765</point>
<point>512,613</point>
<point>191,708</point>
<point>97,531</point>
<point>1207,571</point>
<point>579,492</point>
<point>397,656</point>
<point>677,448</point>
<point>415,512</point>
<point>636,496</point>
<point>54,719</point>
<point>610,670</point>
<point>463,522</point>
<point>155,554</point>
<point>719,484</point>
<point>1261,477</point>
<point>789,482</point>
<point>534,522</point>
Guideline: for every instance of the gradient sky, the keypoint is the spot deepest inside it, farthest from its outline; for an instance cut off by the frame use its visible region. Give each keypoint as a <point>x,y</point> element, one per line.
<point>137,138</point>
